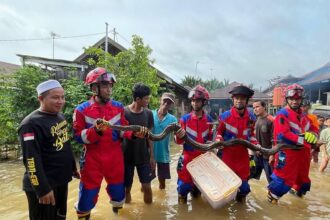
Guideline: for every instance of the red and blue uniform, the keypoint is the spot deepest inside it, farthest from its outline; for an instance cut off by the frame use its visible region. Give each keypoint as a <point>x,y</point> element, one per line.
<point>102,156</point>
<point>291,166</point>
<point>200,130</point>
<point>233,125</point>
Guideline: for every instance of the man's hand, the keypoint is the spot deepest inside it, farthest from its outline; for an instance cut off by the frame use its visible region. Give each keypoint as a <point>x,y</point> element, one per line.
<point>152,164</point>
<point>47,199</point>
<point>271,159</point>
<point>76,174</point>
<point>180,133</point>
<point>142,133</point>
<point>101,125</point>
<point>310,138</point>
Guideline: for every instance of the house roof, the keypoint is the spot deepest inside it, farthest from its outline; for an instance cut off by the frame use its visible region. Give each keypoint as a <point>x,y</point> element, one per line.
<point>223,93</point>
<point>114,48</point>
<point>51,62</point>
<point>7,68</point>
<point>281,80</point>
<point>316,76</point>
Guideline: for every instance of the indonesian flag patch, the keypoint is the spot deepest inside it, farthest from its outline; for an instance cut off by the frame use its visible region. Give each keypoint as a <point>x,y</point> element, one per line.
<point>28,136</point>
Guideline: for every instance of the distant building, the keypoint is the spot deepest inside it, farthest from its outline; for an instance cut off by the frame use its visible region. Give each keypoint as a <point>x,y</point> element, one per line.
<point>221,101</point>
<point>315,83</point>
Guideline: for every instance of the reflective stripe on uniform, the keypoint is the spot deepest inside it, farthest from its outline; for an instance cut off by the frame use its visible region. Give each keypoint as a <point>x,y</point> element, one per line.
<point>307,126</point>
<point>231,128</point>
<point>84,136</point>
<point>115,119</point>
<point>205,133</point>
<point>246,131</point>
<point>90,120</point>
<point>191,132</point>
<point>295,126</point>
<point>300,140</point>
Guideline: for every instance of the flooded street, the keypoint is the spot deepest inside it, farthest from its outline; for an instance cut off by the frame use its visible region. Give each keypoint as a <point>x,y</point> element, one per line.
<point>315,205</point>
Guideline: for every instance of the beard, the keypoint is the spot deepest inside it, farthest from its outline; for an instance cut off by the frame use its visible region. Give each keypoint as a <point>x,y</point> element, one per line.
<point>239,106</point>
<point>197,109</point>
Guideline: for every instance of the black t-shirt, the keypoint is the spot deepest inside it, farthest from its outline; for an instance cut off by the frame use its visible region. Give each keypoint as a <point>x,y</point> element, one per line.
<point>47,153</point>
<point>136,151</point>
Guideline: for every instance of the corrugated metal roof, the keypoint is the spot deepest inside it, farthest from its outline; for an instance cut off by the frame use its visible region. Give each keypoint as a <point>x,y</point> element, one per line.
<point>315,76</point>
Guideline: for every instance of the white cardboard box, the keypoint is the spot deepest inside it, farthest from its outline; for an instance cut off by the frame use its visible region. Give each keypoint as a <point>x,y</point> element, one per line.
<point>216,181</point>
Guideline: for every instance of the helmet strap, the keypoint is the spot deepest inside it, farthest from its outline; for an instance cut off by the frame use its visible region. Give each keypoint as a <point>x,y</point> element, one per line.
<point>97,93</point>
<point>294,109</point>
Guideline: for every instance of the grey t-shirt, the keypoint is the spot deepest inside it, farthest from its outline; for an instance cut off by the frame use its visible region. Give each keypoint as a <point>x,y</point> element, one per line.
<point>136,151</point>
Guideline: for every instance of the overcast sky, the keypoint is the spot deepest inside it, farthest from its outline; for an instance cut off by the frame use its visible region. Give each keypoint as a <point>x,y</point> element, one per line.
<point>245,41</point>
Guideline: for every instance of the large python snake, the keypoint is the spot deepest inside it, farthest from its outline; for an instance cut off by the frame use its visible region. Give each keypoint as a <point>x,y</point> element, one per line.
<point>174,127</point>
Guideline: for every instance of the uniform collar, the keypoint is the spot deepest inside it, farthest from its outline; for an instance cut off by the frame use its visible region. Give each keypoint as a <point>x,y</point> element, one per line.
<point>235,113</point>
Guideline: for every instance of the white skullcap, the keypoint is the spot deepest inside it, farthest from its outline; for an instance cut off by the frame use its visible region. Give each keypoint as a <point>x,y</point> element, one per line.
<point>48,85</point>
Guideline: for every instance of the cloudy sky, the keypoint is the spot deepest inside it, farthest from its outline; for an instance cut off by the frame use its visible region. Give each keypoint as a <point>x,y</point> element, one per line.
<point>245,41</point>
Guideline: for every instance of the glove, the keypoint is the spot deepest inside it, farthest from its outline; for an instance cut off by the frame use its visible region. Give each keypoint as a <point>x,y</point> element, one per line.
<point>252,162</point>
<point>310,138</point>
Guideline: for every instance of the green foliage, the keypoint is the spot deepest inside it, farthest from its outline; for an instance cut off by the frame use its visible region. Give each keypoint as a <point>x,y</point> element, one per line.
<point>191,81</point>
<point>210,85</point>
<point>7,121</point>
<point>130,67</point>
<point>24,99</point>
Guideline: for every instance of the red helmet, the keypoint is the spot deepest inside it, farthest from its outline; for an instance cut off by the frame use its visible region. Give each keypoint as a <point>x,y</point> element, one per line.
<point>199,92</point>
<point>98,75</point>
<point>294,91</point>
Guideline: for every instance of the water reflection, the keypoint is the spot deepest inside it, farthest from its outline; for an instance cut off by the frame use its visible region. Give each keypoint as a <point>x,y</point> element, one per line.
<point>315,205</point>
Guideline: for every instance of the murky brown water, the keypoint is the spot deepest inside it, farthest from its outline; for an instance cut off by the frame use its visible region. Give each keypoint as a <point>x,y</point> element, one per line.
<point>315,205</point>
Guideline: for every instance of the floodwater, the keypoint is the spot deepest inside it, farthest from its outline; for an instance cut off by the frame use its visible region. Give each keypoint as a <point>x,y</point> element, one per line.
<point>315,205</point>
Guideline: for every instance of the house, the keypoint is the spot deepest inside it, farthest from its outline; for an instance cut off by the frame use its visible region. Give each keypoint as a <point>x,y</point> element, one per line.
<point>221,101</point>
<point>60,68</point>
<point>317,85</point>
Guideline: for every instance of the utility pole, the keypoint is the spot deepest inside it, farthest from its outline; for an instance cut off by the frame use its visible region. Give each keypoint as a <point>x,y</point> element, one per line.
<point>53,35</point>
<point>106,44</point>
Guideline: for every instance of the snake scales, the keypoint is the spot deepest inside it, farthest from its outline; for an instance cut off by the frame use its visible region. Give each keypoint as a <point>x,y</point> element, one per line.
<point>204,147</point>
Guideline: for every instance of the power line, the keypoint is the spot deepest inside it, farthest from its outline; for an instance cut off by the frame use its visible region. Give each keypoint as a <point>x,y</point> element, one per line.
<point>50,38</point>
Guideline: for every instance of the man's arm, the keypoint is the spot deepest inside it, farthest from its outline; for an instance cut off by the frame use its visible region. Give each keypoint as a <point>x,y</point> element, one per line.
<point>32,153</point>
<point>282,129</point>
<point>82,134</point>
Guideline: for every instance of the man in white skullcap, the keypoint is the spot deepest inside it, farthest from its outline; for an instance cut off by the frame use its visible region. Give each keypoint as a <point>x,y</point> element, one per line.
<point>47,155</point>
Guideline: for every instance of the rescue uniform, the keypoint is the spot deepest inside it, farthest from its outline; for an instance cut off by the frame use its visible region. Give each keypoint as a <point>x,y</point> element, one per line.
<point>232,125</point>
<point>102,156</point>
<point>199,130</point>
<point>291,166</point>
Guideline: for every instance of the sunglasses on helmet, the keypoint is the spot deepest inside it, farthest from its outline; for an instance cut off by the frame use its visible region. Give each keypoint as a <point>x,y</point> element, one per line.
<point>108,77</point>
<point>294,93</point>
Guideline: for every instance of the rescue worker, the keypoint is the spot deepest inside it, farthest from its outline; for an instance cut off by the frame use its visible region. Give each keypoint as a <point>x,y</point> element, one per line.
<point>238,122</point>
<point>305,108</point>
<point>291,167</point>
<point>197,125</point>
<point>102,155</point>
